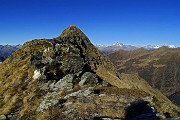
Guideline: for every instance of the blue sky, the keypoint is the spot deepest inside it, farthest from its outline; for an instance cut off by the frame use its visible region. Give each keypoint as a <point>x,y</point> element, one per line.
<point>135,22</point>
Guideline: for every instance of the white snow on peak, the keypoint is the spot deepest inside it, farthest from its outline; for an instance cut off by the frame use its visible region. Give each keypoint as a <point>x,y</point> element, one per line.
<point>148,47</point>
<point>117,44</point>
<point>158,46</point>
<point>171,46</point>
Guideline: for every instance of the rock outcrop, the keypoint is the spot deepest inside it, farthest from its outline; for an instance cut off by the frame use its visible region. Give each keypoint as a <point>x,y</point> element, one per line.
<point>71,79</point>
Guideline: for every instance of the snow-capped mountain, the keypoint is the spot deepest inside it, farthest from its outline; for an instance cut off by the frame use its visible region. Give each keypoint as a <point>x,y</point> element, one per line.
<point>152,47</point>
<point>172,46</point>
<point>116,46</point>
<point>120,46</point>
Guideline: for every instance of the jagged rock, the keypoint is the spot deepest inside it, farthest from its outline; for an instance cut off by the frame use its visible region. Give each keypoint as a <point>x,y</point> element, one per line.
<point>104,83</point>
<point>80,93</point>
<point>68,103</point>
<point>36,59</point>
<point>45,104</point>
<point>86,100</point>
<point>73,64</point>
<point>47,86</point>
<point>69,111</point>
<point>64,83</point>
<point>88,78</point>
<point>3,117</point>
<point>47,60</point>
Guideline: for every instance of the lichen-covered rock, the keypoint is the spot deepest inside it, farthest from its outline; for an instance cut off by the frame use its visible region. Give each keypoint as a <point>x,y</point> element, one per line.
<point>64,83</point>
<point>88,78</point>
<point>80,93</point>
<point>45,104</point>
<point>3,117</point>
<point>73,64</point>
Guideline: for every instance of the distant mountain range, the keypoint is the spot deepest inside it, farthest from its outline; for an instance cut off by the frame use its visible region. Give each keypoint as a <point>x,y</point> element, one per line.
<point>120,46</point>
<point>6,50</point>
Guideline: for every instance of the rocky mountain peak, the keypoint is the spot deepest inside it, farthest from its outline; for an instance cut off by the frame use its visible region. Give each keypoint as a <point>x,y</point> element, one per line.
<point>73,35</point>
<point>72,32</point>
<point>71,54</point>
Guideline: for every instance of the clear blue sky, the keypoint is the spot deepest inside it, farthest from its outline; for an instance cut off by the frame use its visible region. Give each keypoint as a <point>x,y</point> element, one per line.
<point>135,22</point>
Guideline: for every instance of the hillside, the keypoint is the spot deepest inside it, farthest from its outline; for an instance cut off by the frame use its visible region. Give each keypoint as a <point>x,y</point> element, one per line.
<point>160,67</point>
<point>71,79</point>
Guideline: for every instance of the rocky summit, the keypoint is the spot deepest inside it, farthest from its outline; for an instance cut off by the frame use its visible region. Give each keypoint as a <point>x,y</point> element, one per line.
<point>69,78</point>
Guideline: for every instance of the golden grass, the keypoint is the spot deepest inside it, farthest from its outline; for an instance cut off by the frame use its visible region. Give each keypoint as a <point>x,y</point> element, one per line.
<point>17,88</point>
<point>110,77</point>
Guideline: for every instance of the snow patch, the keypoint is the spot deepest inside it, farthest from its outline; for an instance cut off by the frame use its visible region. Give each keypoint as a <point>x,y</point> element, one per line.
<point>37,74</point>
<point>47,50</point>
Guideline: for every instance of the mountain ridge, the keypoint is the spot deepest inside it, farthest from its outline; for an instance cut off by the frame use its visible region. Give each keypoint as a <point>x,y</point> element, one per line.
<point>70,79</point>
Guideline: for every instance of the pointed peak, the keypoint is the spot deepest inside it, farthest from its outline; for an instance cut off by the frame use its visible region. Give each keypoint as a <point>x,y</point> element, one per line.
<point>72,30</point>
<point>73,27</point>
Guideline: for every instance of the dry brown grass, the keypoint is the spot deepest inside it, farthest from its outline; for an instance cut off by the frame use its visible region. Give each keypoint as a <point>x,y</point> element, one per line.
<point>124,91</point>
<point>17,88</point>
<point>53,113</point>
<point>110,77</point>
